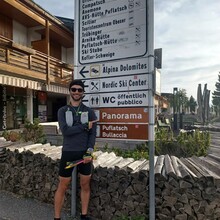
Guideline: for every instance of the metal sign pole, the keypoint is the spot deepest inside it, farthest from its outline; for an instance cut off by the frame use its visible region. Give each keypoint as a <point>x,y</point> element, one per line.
<point>73,192</point>
<point>151,109</point>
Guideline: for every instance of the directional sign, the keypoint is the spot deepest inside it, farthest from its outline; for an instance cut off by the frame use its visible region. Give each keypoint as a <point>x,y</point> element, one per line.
<point>111,69</point>
<point>122,115</point>
<point>116,84</point>
<point>121,99</point>
<point>123,131</point>
<point>111,30</point>
<point>111,57</point>
<point>83,72</point>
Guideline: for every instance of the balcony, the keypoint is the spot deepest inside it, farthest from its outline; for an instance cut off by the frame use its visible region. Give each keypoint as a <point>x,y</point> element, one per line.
<point>24,62</point>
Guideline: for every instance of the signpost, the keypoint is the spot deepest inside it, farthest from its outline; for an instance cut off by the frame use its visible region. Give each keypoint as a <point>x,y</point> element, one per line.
<point>123,131</point>
<point>111,54</point>
<point>122,123</point>
<point>111,30</point>
<point>112,69</point>
<point>122,99</point>
<point>114,56</point>
<point>122,115</point>
<point>123,83</point>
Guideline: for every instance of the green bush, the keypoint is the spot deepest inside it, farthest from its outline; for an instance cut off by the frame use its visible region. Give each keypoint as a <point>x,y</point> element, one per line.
<point>5,134</point>
<point>186,144</point>
<point>33,132</point>
<point>12,136</point>
<point>140,152</point>
<point>195,143</point>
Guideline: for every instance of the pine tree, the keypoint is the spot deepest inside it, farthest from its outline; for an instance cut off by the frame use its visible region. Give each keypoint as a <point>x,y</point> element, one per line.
<point>192,104</point>
<point>216,97</point>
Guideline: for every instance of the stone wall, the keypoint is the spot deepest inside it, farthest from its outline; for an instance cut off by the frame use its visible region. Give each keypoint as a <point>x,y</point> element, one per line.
<point>186,188</point>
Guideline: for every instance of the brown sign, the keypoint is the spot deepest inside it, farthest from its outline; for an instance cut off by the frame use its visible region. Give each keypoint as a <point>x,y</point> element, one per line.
<point>123,131</point>
<point>122,115</point>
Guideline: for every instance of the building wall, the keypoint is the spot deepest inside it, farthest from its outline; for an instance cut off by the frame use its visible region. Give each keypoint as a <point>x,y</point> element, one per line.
<point>21,105</point>
<point>64,54</point>
<point>33,35</point>
<point>70,56</point>
<point>20,33</point>
<point>24,36</point>
<point>5,26</point>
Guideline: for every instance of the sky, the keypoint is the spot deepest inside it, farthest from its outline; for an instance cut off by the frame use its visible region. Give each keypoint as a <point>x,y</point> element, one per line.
<point>188,32</point>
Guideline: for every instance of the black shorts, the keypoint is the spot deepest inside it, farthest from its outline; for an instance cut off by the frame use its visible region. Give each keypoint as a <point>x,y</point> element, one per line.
<point>69,156</point>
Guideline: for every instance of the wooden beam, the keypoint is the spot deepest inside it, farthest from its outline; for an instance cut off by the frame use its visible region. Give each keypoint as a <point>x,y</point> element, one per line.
<point>22,72</point>
<point>47,30</point>
<point>26,11</point>
<point>22,48</point>
<point>67,36</point>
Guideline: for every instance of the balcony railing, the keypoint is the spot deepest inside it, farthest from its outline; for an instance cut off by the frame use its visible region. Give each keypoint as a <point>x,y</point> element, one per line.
<point>35,65</point>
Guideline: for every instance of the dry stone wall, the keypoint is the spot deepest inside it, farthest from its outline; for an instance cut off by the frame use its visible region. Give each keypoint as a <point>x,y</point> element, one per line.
<point>186,188</point>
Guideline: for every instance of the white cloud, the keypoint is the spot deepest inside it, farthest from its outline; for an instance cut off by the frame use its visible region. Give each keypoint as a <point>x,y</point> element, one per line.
<point>188,32</point>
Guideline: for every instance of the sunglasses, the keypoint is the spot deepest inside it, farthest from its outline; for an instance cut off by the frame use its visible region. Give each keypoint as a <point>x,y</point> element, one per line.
<point>75,89</point>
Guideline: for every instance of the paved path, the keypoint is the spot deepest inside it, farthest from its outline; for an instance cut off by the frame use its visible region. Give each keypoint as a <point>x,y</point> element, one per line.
<point>215,144</point>
<point>215,141</point>
<point>13,207</point>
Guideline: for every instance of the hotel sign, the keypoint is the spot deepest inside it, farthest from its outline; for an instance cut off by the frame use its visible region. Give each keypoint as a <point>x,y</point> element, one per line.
<point>3,108</point>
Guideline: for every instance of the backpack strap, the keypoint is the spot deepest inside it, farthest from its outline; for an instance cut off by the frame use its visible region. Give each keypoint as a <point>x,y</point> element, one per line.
<point>69,117</point>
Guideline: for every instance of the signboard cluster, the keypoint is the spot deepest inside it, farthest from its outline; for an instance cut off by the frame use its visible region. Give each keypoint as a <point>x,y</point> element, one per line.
<point>110,30</point>
<point>111,59</point>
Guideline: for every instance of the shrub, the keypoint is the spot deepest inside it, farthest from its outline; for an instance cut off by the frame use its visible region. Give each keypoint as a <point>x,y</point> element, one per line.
<point>5,134</point>
<point>140,152</point>
<point>14,136</point>
<point>11,136</point>
<point>186,144</point>
<point>33,132</point>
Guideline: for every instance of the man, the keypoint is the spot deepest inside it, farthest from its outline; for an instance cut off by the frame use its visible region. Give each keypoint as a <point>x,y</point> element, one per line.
<point>79,134</point>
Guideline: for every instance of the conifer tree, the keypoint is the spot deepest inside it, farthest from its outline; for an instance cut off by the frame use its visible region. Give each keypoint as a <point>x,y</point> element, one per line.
<point>216,97</point>
<point>192,104</point>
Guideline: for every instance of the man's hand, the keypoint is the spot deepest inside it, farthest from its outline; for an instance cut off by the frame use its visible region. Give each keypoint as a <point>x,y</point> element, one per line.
<point>91,124</point>
<point>87,159</point>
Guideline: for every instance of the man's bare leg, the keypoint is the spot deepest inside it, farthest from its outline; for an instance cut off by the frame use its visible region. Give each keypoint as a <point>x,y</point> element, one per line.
<point>85,192</point>
<point>60,195</point>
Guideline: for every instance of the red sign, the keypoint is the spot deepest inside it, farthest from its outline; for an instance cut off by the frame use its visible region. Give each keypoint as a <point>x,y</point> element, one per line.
<point>122,115</point>
<point>123,131</point>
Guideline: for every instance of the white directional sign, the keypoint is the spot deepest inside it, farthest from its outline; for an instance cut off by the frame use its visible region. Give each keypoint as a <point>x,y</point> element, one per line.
<point>116,84</point>
<point>111,30</point>
<point>110,69</point>
<point>121,99</point>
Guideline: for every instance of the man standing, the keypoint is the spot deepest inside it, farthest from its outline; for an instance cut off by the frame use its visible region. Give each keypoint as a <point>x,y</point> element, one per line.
<point>78,125</point>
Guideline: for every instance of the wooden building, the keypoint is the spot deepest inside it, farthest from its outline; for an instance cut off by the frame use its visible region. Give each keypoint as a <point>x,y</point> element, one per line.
<point>36,63</point>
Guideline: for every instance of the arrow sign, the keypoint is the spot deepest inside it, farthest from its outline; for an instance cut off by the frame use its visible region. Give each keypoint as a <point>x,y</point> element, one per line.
<point>120,99</point>
<point>82,72</point>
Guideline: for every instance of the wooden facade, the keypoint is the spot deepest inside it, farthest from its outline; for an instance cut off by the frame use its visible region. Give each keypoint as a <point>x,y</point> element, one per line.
<point>35,48</point>
<point>42,59</point>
